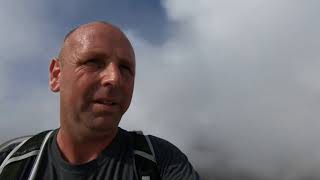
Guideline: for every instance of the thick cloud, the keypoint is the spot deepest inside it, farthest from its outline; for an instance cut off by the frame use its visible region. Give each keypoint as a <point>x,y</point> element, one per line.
<point>236,87</point>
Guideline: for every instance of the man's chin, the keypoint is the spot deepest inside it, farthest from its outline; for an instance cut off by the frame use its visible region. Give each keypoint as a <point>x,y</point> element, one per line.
<point>103,124</point>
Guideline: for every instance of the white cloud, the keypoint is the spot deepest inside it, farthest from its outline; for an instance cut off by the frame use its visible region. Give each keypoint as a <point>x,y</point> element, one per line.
<point>25,108</point>
<point>36,111</point>
<point>237,85</point>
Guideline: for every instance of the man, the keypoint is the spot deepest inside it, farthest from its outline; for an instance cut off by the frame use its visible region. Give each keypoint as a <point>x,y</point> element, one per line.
<point>94,74</point>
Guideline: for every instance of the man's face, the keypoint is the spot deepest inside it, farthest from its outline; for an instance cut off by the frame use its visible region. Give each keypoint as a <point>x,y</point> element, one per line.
<point>96,79</point>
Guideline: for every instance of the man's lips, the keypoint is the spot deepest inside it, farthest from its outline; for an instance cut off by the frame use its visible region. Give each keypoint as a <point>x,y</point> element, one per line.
<point>105,106</point>
<point>105,102</point>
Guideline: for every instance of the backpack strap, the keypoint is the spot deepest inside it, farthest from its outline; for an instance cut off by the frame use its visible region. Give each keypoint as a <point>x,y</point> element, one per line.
<point>145,164</point>
<point>12,142</point>
<point>25,155</point>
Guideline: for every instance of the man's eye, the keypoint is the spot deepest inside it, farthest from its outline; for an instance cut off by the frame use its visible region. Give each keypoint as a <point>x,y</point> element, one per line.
<point>126,68</point>
<point>94,63</point>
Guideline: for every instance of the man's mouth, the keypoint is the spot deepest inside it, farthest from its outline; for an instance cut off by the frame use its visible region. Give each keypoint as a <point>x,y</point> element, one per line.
<point>105,102</point>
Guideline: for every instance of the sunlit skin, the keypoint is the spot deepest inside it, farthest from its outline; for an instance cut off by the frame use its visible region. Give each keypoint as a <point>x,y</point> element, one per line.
<point>95,77</point>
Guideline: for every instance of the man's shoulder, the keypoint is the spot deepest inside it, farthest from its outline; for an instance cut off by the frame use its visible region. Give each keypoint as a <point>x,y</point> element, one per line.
<point>166,152</point>
<point>158,143</point>
<point>161,144</point>
<point>8,146</point>
<point>31,142</point>
<point>5,150</point>
<point>172,162</point>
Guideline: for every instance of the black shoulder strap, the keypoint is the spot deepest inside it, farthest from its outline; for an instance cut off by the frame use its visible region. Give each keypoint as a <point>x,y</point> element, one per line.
<point>9,145</point>
<point>144,157</point>
<point>23,159</point>
<point>32,144</point>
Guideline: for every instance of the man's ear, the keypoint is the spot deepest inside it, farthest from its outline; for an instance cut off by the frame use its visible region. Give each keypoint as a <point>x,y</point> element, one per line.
<point>55,70</point>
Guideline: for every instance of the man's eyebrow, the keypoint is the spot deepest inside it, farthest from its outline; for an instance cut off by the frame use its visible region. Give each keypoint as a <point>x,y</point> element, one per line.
<point>126,60</point>
<point>94,53</point>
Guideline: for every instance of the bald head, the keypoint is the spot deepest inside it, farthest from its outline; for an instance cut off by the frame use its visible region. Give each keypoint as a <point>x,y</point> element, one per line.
<point>88,24</point>
<point>96,64</point>
<point>78,35</point>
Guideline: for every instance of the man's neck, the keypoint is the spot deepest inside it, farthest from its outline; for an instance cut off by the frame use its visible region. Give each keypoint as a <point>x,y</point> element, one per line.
<point>82,150</point>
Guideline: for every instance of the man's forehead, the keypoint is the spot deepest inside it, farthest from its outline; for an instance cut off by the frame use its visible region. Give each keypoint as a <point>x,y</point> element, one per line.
<point>93,26</point>
<point>91,32</point>
<point>95,35</point>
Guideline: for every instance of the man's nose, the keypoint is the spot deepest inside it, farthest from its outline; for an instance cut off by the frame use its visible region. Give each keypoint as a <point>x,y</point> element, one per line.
<point>110,75</point>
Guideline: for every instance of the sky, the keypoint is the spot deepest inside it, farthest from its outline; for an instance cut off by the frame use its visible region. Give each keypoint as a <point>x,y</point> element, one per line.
<point>233,84</point>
